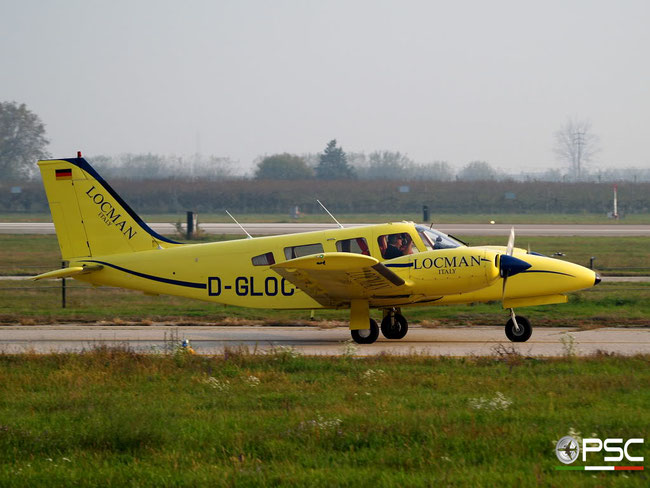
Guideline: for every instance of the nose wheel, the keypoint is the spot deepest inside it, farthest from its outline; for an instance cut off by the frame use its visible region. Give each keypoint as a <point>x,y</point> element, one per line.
<point>518,328</point>
<point>394,325</point>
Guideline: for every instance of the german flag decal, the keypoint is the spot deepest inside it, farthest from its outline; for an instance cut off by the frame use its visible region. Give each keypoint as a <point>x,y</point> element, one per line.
<point>64,174</point>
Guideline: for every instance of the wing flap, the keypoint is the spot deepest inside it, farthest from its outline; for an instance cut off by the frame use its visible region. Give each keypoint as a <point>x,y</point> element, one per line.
<point>333,279</point>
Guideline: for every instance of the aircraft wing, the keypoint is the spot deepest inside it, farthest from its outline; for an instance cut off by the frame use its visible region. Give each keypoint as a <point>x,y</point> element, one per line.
<point>335,278</point>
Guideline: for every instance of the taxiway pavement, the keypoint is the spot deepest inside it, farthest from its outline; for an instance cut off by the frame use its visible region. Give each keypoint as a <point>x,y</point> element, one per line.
<point>453,341</point>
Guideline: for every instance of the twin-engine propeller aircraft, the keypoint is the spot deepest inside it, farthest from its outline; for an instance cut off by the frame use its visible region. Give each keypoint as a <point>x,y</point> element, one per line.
<point>385,266</point>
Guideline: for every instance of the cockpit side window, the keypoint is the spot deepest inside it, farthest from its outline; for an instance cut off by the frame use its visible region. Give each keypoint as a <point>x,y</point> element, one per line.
<point>358,245</point>
<point>434,239</point>
<point>396,245</point>
<point>299,251</point>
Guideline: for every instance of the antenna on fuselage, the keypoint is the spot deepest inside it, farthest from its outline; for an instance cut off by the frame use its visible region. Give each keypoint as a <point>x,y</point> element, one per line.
<point>240,226</point>
<point>328,212</point>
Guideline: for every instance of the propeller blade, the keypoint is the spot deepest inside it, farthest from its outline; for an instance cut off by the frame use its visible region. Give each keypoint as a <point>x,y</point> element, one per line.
<point>511,242</point>
<point>510,266</point>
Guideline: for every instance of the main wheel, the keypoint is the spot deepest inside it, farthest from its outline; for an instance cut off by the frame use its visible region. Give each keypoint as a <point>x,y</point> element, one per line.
<point>524,332</point>
<point>366,336</point>
<point>394,326</point>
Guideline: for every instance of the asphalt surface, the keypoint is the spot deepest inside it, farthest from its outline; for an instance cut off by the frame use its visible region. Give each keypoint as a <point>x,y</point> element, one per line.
<point>455,341</point>
<point>292,228</point>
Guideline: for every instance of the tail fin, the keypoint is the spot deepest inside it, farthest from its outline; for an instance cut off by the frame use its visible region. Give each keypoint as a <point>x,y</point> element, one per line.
<point>89,217</point>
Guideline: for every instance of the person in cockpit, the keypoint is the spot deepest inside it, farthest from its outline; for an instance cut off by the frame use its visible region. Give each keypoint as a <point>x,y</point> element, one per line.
<point>398,245</point>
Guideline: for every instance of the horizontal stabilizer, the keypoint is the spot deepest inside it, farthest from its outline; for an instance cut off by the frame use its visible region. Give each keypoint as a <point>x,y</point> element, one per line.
<point>67,272</point>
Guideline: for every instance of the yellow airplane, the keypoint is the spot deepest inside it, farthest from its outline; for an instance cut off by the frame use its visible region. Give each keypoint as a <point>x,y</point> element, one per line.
<point>385,266</point>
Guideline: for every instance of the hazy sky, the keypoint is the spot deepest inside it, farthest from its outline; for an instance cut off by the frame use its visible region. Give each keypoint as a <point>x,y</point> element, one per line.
<point>438,80</point>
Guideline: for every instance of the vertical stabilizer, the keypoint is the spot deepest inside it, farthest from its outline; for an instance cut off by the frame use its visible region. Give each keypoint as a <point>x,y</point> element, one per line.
<point>89,217</point>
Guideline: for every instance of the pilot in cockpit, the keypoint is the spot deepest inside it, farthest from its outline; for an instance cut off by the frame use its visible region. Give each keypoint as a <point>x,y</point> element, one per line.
<point>398,245</point>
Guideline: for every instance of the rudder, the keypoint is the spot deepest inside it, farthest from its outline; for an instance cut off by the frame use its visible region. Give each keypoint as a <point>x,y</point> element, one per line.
<point>89,216</point>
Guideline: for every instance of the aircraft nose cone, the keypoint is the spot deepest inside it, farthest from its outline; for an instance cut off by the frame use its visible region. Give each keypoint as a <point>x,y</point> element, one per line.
<point>597,280</point>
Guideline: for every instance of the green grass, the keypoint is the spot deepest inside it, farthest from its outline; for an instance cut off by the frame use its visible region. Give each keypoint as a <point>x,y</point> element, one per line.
<point>28,254</point>
<point>473,218</point>
<point>614,255</point>
<point>114,418</point>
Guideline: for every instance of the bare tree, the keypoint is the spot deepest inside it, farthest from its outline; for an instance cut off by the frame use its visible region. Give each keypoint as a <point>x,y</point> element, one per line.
<point>576,145</point>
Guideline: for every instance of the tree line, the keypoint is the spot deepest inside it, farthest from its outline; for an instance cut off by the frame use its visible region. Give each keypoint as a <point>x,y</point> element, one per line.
<point>23,141</point>
<point>356,196</point>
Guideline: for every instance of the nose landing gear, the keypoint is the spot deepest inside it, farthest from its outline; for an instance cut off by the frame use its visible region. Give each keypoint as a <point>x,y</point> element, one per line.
<point>518,328</point>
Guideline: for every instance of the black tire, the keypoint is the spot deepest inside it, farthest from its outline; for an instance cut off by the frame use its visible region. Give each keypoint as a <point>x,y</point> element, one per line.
<point>366,336</point>
<point>394,327</point>
<point>525,329</point>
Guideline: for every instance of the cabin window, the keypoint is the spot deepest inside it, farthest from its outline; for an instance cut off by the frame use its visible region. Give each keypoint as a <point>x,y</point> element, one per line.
<point>263,259</point>
<point>299,251</point>
<point>358,245</point>
<point>396,245</point>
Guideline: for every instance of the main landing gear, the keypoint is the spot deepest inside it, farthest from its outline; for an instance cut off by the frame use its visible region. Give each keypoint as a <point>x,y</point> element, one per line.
<point>366,336</point>
<point>518,328</point>
<point>393,326</point>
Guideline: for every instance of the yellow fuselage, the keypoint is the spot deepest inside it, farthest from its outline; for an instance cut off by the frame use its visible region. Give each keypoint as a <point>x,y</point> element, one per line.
<point>224,272</point>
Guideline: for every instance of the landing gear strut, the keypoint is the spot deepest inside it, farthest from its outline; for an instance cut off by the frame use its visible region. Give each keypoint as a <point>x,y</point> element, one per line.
<point>366,336</point>
<point>518,328</point>
<point>394,325</point>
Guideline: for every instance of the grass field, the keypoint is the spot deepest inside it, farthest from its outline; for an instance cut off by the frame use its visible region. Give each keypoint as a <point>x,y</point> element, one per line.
<point>114,418</point>
<point>447,218</point>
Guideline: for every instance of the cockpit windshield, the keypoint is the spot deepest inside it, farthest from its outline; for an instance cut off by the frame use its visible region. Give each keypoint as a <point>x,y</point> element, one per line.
<point>434,239</point>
